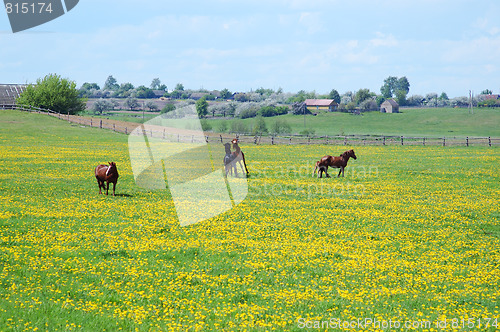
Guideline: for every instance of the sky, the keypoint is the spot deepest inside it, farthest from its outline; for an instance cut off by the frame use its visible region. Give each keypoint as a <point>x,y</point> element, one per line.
<point>312,45</point>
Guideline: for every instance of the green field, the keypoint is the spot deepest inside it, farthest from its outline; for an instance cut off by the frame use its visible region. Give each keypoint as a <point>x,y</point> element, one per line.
<point>410,235</point>
<point>437,122</point>
<point>430,122</point>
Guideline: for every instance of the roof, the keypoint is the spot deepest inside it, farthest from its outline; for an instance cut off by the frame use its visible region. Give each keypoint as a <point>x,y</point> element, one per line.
<point>392,102</point>
<point>320,102</point>
<point>491,97</point>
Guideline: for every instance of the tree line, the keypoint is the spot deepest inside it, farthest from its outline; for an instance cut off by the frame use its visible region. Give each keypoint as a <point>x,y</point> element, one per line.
<point>61,95</point>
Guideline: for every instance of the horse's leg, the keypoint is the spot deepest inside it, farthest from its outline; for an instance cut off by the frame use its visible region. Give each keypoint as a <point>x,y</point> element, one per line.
<point>107,187</point>
<point>244,162</point>
<point>99,185</point>
<point>341,171</point>
<point>114,185</point>
<point>326,172</point>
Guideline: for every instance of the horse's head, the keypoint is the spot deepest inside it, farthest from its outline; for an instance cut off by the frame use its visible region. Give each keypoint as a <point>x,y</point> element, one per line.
<point>227,146</point>
<point>111,168</point>
<point>235,143</point>
<point>351,154</point>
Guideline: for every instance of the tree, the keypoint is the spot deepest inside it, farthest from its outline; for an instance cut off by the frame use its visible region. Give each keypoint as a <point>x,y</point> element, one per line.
<point>362,95</point>
<point>202,107</point>
<point>101,106</point>
<point>155,84</point>
<point>179,87</point>
<point>54,93</point>
<point>486,92</point>
<point>152,106</point>
<point>393,84</point>
<point>387,90</point>
<point>443,96</point>
<point>111,83</point>
<point>225,94</point>
<point>401,97</point>
<point>300,108</point>
<point>132,103</point>
<point>334,94</point>
<point>143,92</point>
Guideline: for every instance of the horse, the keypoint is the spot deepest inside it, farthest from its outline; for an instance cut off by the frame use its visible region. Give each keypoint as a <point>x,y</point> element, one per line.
<point>334,162</point>
<point>228,160</point>
<point>239,156</point>
<point>106,173</point>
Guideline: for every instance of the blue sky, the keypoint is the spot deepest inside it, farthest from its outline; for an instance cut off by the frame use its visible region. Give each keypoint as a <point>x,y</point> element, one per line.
<point>440,45</point>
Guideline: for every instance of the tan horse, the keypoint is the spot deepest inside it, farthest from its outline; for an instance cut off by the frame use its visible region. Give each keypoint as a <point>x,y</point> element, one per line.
<point>239,156</point>
<point>334,162</point>
<point>106,173</point>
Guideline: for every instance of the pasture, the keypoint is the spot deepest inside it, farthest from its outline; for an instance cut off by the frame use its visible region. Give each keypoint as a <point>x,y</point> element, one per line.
<point>410,234</point>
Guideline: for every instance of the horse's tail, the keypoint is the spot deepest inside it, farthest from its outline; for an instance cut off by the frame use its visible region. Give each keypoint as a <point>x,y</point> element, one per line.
<point>315,168</point>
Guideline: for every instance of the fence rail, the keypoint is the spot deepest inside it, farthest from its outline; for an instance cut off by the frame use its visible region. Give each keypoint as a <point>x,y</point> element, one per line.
<point>158,132</point>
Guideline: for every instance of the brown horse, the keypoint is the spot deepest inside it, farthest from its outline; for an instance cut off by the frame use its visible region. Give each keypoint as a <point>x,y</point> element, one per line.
<point>106,173</point>
<point>239,156</point>
<point>334,162</point>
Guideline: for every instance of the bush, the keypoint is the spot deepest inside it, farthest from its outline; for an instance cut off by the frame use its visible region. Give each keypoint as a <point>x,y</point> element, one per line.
<point>260,126</point>
<point>308,132</point>
<point>167,108</point>
<point>205,125</point>
<point>281,127</point>
<point>267,111</point>
<point>248,113</point>
<point>238,127</point>
<point>222,127</point>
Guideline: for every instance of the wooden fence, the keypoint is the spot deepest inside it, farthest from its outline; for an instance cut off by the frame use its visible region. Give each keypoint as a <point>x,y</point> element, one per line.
<point>159,132</point>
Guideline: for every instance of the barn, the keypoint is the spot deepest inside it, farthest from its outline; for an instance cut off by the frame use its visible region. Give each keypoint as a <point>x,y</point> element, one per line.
<point>389,106</point>
<point>321,104</point>
<point>9,93</point>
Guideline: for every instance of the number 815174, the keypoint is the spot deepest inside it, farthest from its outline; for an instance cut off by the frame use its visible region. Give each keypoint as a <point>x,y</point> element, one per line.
<point>28,8</point>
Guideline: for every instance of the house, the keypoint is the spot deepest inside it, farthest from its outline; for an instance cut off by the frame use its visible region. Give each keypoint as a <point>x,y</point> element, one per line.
<point>321,104</point>
<point>389,106</point>
<point>488,97</point>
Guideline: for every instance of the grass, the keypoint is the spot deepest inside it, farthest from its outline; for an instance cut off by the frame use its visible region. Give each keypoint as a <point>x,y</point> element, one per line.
<point>433,122</point>
<point>410,234</point>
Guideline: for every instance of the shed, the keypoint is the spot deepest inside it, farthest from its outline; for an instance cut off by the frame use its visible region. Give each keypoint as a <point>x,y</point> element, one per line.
<point>321,104</point>
<point>389,106</point>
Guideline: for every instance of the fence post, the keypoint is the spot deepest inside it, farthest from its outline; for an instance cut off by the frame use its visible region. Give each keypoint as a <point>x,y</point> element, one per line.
<point>423,140</point>
<point>444,141</point>
<point>467,141</point>
<point>290,142</point>
<point>272,140</point>
<point>114,127</point>
<point>91,122</point>
<point>345,140</point>
<point>489,140</point>
<point>384,141</point>
<point>100,124</point>
<point>326,139</point>
<point>255,140</point>
<point>402,142</point>
<point>308,140</point>
<point>126,133</point>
